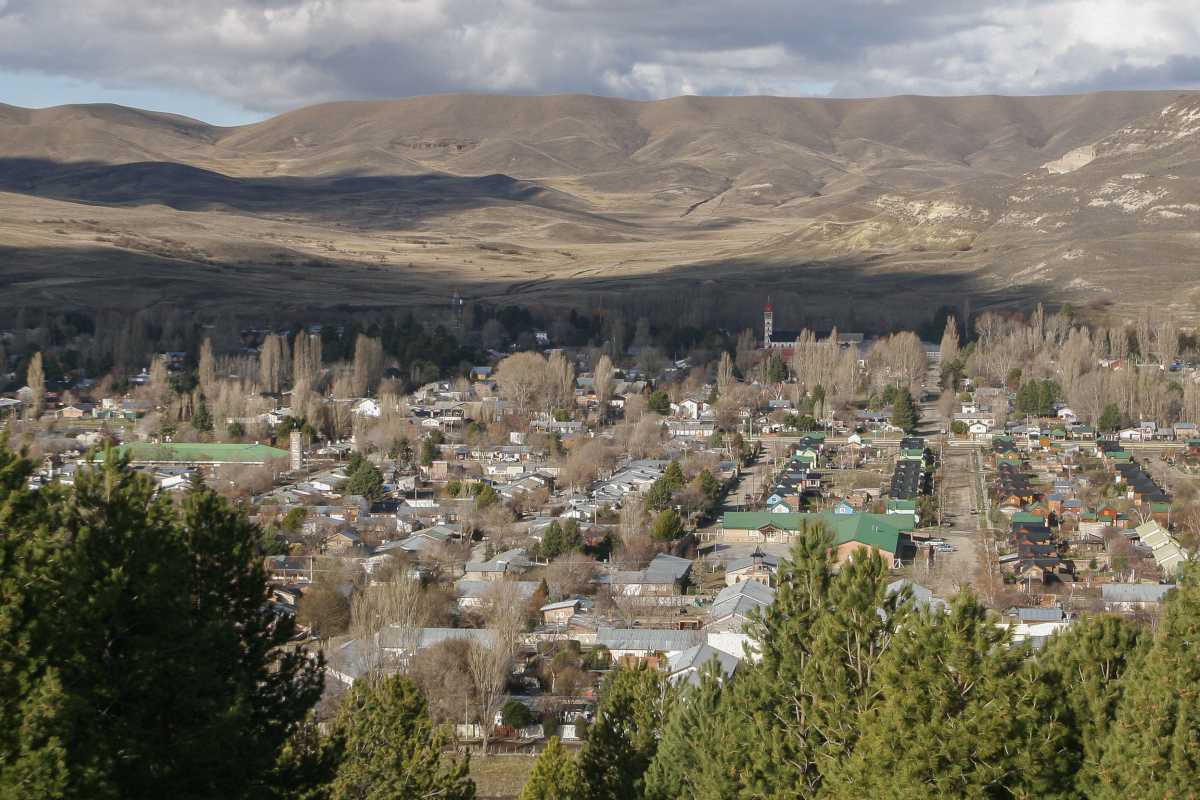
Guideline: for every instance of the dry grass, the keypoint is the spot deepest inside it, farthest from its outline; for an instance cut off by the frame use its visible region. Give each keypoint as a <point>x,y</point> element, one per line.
<point>500,777</point>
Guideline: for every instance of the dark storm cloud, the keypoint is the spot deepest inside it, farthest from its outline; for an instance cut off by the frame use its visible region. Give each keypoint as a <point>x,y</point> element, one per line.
<point>270,55</point>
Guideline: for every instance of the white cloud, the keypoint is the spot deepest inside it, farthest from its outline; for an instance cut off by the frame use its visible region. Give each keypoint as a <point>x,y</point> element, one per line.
<point>270,55</point>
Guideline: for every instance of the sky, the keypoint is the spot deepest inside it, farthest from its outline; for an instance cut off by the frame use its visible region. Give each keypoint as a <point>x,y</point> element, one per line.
<point>235,61</point>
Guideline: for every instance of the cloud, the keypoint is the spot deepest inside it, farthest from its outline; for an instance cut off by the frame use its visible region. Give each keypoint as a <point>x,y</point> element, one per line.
<point>271,55</point>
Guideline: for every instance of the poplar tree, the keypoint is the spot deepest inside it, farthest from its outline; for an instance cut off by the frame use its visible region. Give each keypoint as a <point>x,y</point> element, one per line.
<point>1153,747</point>
<point>554,777</point>
<point>35,379</point>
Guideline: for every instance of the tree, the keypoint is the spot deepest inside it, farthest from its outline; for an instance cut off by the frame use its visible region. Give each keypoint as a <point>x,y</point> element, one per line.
<point>1083,666</point>
<point>795,713</point>
<point>521,378</point>
<point>368,364</point>
<point>693,722</point>
<point>776,369</point>
<point>365,480</point>
<point>35,379</point>
<point>206,371</point>
<point>602,382</point>
<point>389,748</point>
<point>1152,750</point>
<point>272,363</point>
<point>905,414</point>
<point>555,775</point>
<point>103,575</point>
<point>324,608</point>
<point>486,497</point>
<point>516,714</point>
<point>624,738</point>
<point>201,418</point>
<point>429,452</point>
<point>667,526</point>
<point>949,345</point>
<point>940,685</point>
<point>659,403</point>
<point>1110,419</point>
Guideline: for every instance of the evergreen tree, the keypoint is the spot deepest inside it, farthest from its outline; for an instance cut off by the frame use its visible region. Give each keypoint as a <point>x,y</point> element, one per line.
<point>957,716</point>
<point>776,369</point>
<point>388,748</point>
<point>1110,418</point>
<point>365,480</point>
<point>659,403</point>
<point>623,740</point>
<point>555,775</point>
<point>140,659</point>
<point>692,723</point>
<point>820,643</point>
<point>905,414</point>
<point>552,541</point>
<point>201,417</point>
<point>429,452</point>
<point>1153,748</point>
<point>1082,666</point>
<point>667,526</point>
<point>673,476</point>
<point>572,537</point>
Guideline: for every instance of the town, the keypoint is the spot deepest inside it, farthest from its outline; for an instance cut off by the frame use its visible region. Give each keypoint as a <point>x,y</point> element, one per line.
<point>509,532</point>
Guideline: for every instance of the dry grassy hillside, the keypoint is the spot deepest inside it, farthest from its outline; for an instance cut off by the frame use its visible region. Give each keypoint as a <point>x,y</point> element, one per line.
<point>578,199</point>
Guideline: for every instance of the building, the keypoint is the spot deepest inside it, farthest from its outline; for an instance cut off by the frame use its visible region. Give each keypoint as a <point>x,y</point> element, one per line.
<point>851,532</point>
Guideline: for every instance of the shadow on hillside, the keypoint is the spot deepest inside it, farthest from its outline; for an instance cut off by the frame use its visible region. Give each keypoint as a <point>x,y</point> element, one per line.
<point>851,295</point>
<point>366,201</point>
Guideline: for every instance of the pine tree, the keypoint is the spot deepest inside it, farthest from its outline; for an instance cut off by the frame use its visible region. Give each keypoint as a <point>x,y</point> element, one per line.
<point>1082,667</point>
<point>692,723</point>
<point>905,414</point>
<point>667,526</point>
<point>554,777</point>
<point>388,747</point>
<point>201,417</point>
<point>957,716</point>
<point>1110,418</point>
<point>552,541</point>
<point>622,741</point>
<point>140,659</point>
<point>820,641</point>
<point>1153,747</point>
<point>365,480</point>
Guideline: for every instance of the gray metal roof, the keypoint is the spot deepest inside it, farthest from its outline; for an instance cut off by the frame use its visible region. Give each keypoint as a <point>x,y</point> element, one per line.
<point>646,639</point>
<point>1135,592</point>
<point>686,664</point>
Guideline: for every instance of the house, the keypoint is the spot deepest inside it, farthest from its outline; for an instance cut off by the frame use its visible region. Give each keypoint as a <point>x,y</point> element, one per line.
<point>923,598</point>
<point>644,644</point>
<point>1133,596</point>
<point>665,575</point>
<point>342,540</point>
<point>732,607</point>
<point>392,648</point>
<point>502,565</point>
<point>477,594</point>
<point>560,613</point>
<point>1168,555</point>
<point>685,666</point>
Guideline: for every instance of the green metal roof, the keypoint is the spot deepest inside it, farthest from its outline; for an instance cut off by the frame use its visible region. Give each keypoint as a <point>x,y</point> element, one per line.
<point>200,453</point>
<point>1023,517</point>
<point>881,531</point>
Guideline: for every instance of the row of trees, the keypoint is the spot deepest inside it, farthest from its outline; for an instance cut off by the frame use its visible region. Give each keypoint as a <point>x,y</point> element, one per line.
<point>859,693</point>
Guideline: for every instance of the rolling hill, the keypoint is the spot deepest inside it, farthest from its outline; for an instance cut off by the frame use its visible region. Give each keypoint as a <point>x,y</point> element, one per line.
<point>838,207</point>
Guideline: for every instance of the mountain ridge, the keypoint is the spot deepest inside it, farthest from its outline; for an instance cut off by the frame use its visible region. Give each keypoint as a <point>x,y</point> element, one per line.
<point>1070,199</point>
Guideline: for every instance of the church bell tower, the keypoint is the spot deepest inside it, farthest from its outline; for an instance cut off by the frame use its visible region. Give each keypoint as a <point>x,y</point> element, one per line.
<point>768,322</point>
